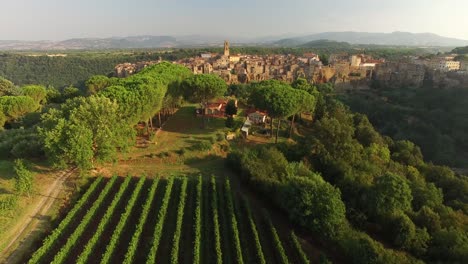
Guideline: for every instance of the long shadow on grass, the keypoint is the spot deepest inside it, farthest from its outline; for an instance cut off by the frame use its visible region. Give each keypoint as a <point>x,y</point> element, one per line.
<point>185,121</point>
<point>208,165</point>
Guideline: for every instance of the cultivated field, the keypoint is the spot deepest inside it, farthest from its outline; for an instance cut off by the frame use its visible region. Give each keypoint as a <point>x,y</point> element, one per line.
<point>190,219</point>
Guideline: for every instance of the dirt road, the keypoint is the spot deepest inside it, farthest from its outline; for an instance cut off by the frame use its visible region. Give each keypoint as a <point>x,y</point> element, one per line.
<point>33,218</point>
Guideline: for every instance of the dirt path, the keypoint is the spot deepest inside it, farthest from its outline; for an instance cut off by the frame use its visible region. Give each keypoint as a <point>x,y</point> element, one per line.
<point>34,216</point>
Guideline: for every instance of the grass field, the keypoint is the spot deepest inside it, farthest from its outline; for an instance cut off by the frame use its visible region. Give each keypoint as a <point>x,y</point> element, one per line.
<point>13,214</point>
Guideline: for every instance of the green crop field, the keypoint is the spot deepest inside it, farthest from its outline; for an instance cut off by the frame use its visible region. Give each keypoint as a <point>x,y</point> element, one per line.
<point>191,219</point>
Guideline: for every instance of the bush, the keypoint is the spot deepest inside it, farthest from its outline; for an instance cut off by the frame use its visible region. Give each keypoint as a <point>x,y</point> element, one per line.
<point>230,122</point>
<point>181,151</point>
<point>24,178</point>
<point>202,146</point>
<point>220,137</point>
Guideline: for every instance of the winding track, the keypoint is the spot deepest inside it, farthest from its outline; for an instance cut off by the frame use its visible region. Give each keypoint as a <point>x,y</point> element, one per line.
<point>46,200</point>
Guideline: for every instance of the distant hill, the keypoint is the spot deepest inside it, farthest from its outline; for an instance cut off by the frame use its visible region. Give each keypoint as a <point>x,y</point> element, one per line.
<point>325,43</point>
<point>461,50</point>
<point>394,38</point>
<point>92,43</point>
<point>312,41</point>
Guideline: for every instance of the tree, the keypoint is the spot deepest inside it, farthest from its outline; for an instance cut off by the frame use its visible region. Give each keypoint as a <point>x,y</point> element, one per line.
<point>428,219</point>
<point>203,87</point>
<point>229,122</point>
<point>37,92</point>
<point>96,83</point>
<point>3,119</point>
<point>306,102</point>
<point>70,92</point>
<point>390,193</point>
<point>426,194</point>
<point>23,178</point>
<point>277,98</point>
<point>450,246</point>
<point>407,152</point>
<point>14,107</point>
<point>231,108</point>
<point>6,86</point>
<point>84,131</point>
<point>315,204</point>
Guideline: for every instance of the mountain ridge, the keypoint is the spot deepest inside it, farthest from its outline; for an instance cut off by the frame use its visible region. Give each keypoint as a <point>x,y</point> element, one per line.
<point>397,38</point>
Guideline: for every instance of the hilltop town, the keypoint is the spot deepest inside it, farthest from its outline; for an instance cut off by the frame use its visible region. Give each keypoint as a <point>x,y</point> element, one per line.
<point>343,70</point>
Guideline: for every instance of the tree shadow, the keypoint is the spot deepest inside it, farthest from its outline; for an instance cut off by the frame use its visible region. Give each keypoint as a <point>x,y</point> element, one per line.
<point>5,191</point>
<point>208,165</point>
<point>185,121</point>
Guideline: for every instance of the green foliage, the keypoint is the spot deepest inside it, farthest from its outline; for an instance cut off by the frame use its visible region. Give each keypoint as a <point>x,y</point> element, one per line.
<point>70,92</point>
<point>49,241</point>
<point>304,195</point>
<point>426,195</point>
<point>97,83</point>
<point>433,120</point>
<point>299,251</point>
<point>240,91</point>
<point>180,218</point>
<point>230,122</point>
<point>202,145</point>
<point>234,225</point>
<point>231,108</point>
<point>314,204</point>
<point>254,231</point>
<point>84,130</point>
<point>6,87</point>
<point>8,203</point>
<point>216,227</point>
<point>160,223</point>
<point>197,225</point>
<point>104,222</point>
<point>450,245</point>
<point>74,69</point>
<point>203,87</point>
<point>460,50</point>
<point>407,153</point>
<point>134,242</point>
<point>14,107</point>
<point>428,219</point>
<point>65,250</point>
<point>37,92</point>
<point>3,119</point>
<point>277,98</point>
<point>20,143</point>
<point>116,235</point>
<point>277,241</point>
<point>24,179</point>
<point>390,194</point>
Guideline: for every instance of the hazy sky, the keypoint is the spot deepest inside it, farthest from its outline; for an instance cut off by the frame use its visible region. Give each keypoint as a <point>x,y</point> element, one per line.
<point>62,19</point>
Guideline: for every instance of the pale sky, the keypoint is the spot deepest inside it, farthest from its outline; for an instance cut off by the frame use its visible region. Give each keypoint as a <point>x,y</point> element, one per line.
<point>63,19</point>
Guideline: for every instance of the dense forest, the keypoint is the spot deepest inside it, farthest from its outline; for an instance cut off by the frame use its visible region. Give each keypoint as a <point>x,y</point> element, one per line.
<point>435,119</point>
<point>59,72</point>
<point>371,187</point>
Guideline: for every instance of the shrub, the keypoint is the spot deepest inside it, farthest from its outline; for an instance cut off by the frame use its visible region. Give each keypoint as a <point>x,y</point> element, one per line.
<point>24,178</point>
<point>230,122</point>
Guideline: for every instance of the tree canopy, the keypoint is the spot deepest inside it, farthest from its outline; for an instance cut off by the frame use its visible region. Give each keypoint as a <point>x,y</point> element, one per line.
<point>14,107</point>
<point>83,131</point>
<point>203,87</point>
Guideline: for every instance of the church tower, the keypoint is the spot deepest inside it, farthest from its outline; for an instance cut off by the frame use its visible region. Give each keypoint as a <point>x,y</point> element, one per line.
<point>226,48</point>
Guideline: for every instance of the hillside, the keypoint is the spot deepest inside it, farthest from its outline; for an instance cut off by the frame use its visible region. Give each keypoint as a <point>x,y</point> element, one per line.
<point>394,38</point>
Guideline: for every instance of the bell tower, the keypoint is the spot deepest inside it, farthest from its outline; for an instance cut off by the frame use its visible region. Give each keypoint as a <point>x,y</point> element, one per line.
<point>226,48</point>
